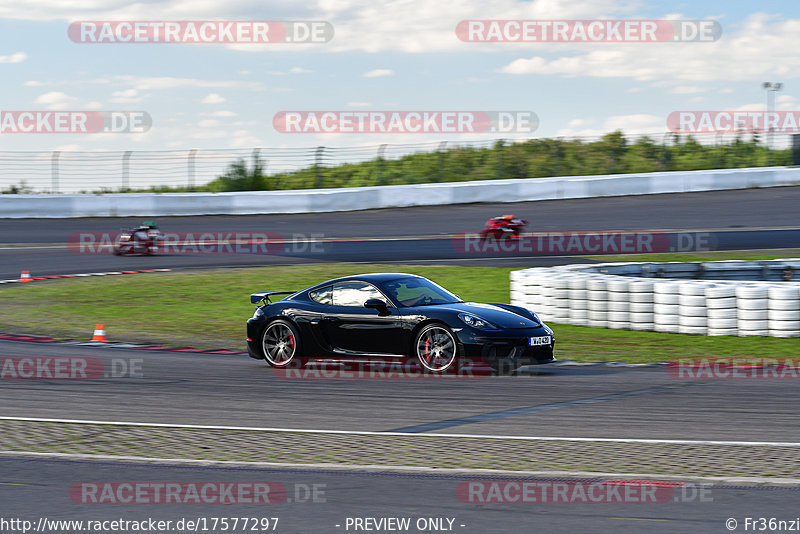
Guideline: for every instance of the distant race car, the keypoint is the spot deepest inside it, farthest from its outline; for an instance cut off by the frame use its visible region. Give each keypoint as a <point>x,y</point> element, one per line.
<point>393,315</point>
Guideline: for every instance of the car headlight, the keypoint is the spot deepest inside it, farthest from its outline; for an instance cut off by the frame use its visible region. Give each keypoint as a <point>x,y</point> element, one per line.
<point>476,322</point>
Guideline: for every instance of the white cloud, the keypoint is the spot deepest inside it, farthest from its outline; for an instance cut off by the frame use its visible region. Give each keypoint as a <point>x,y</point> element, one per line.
<point>125,97</point>
<point>415,26</point>
<point>378,73</point>
<point>687,90</point>
<point>214,98</point>
<point>34,83</point>
<point>55,100</point>
<point>577,123</point>
<point>209,134</point>
<point>155,83</point>
<point>636,123</point>
<point>243,138</point>
<point>208,123</point>
<point>786,102</point>
<point>19,57</point>
<point>73,147</point>
<point>757,50</point>
<point>299,70</point>
<point>632,125</point>
<point>224,113</point>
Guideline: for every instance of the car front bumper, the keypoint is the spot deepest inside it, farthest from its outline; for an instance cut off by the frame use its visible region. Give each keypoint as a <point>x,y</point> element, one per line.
<point>507,348</point>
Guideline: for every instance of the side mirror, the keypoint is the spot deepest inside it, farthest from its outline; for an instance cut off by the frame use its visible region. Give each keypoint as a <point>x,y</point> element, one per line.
<point>377,304</point>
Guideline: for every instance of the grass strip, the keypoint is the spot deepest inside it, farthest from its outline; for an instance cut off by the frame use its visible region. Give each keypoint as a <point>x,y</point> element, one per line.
<point>208,309</point>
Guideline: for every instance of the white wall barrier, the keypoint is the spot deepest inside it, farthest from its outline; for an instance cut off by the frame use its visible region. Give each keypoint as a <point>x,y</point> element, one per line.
<point>584,295</point>
<point>361,198</point>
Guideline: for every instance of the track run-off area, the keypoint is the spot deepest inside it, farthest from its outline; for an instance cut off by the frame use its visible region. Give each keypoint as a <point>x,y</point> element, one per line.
<point>404,446</point>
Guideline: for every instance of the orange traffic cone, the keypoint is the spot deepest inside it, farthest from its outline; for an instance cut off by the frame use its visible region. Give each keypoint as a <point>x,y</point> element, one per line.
<point>100,333</point>
<point>25,276</point>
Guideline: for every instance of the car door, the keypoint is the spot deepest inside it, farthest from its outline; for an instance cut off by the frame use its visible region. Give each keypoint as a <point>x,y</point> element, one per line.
<point>351,328</point>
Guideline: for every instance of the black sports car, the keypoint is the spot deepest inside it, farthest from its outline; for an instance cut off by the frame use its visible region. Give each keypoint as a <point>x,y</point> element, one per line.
<point>391,315</point>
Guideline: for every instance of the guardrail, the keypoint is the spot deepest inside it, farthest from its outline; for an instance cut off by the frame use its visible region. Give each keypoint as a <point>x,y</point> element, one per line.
<point>630,297</point>
<point>362,198</point>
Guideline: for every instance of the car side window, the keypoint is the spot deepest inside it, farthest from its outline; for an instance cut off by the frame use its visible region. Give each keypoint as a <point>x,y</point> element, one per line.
<point>354,293</point>
<point>322,295</point>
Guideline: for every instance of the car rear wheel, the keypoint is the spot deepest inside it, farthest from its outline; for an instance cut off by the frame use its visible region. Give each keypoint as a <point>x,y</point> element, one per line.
<point>280,343</point>
<point>435,347</point>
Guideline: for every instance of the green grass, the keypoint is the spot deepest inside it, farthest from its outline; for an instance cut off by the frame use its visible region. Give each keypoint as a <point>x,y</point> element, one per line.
<point>207,309</point>
<point>198,308</point>
<point>752,255</point>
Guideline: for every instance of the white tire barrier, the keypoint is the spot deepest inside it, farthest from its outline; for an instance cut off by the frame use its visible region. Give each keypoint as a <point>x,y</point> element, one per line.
<point>753,315</point>
<point>619,306</point>
<point>578,294</point>
<point>721,313</point>
<point>611,296</point>
<point>751,304</point>
<point>721,331</point>
<point>693,321</point>
<point>692,300</point>
<point>666,309</point>
<point>783,311</point>
<point>728,322</point>
<point>641,297</point>
<point>641,307</point>
<point>752,292</point>
<point>721,292</point>
<point>618,316</point>
<point>726,302</point>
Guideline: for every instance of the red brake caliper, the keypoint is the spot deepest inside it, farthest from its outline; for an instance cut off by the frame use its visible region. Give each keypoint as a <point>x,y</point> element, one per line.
<point>428,349</point>
<point>291,340</point>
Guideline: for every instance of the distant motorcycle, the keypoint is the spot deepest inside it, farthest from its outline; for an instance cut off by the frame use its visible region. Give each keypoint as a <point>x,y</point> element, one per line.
<point>141,240</point>
<point>505,227</point>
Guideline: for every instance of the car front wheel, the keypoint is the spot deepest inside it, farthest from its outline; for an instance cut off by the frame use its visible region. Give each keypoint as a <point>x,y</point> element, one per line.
<point>435,347</point>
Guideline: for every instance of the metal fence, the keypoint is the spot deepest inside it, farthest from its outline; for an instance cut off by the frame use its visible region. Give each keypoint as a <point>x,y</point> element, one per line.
<point>71,172</point>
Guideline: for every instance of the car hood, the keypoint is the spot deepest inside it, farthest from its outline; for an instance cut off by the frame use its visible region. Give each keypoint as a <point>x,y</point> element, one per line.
<point>494,314</point>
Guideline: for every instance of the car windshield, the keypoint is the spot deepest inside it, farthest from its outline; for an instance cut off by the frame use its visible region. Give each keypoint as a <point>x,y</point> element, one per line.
<point>418,292</point>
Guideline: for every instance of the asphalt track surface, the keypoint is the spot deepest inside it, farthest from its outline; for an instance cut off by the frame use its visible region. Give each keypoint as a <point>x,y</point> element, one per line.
<point>203,389</point>
<point>729,220</point>
<point>27,483</point>
<point>556,401</point>
<point>236,390</point>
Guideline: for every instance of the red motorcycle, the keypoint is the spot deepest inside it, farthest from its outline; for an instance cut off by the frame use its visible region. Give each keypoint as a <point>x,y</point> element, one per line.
<point>505,227</point>
<point>142,240</point>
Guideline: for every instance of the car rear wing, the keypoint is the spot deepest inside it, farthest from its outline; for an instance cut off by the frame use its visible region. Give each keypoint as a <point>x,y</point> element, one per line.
<point>256,298</point>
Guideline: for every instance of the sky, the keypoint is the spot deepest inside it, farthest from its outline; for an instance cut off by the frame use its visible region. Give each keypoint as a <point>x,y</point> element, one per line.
<point>385,55</point>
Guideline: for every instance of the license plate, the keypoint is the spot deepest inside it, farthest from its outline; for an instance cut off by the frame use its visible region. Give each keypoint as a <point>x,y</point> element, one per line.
<point>541,340</point>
